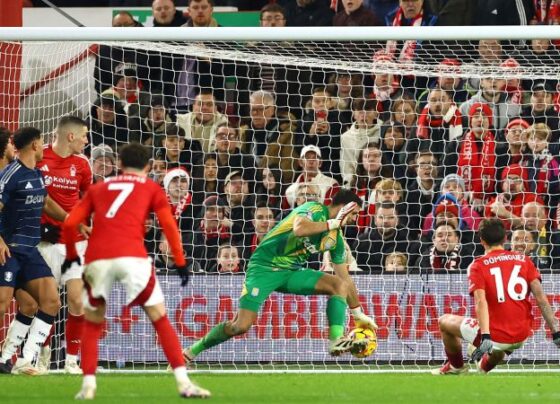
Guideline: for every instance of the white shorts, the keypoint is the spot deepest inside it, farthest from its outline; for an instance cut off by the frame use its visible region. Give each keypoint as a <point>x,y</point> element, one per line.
<point>470,332</point>
<point>136,274</point>
<point>55,254</point>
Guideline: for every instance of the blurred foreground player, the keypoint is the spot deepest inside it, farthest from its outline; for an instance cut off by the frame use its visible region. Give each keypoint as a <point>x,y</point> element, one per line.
<point>500,282</point>
<point>116,252</point>
<point>277,265</point>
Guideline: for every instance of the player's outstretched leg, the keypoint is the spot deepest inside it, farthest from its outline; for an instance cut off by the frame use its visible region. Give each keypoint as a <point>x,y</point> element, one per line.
<point>222,332</point>
<point>172,349</point>
<point>450,327</point>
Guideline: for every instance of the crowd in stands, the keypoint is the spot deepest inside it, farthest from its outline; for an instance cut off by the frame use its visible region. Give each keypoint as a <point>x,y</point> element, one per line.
<point>430,157</point>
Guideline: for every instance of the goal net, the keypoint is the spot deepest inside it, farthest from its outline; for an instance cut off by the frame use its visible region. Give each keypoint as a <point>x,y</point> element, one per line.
<point>433,134</point>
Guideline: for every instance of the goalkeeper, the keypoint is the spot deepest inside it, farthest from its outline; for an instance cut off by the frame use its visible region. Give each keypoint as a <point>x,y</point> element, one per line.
<point>277,265</point>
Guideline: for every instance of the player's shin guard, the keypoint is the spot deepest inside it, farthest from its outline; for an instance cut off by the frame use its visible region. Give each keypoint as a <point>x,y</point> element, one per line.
<point>16,334</point>
<point>216,336</point>
<point>91,334</point>
<point>336,315</point>
<point>456,359</point>
<point>38,333</point>
<point>74,328</point>
<point>169,342</point>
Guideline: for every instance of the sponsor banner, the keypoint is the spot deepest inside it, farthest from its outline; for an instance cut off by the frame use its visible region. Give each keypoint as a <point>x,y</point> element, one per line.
<point>294,328</point>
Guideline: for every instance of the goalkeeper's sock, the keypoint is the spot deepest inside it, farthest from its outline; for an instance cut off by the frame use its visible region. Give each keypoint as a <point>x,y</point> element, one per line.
<point>456,359</point>
<point>38,333</point>
<point>216,336</point>
<point>169,342</point>
<point>336,315</point>
<point>16,334</point>
<point>74,327</point>
<point>92,333</point>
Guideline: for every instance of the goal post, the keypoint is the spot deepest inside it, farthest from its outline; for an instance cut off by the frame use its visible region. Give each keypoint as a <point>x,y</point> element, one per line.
<point>135,84</point>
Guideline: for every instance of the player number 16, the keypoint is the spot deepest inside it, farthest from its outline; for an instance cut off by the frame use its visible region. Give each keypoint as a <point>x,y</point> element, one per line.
<point>514,280</point>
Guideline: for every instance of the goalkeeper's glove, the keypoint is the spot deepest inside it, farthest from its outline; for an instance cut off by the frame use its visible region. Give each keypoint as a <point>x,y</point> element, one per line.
<point>69,263</point>
<point>485,346</point>
<point>362,320</point>
<point>556,338</point>
<point>184,274</point>
<point>341,217</point>
<point>50,233</point>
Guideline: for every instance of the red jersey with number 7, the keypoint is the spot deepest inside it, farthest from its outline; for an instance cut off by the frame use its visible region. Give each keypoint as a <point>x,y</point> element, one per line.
<point>505,277</point>
<point>120,207</point>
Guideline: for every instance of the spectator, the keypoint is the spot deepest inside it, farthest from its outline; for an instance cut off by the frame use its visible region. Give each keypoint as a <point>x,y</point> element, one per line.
<point>124,19</point>
<point>201,124</point>
<point>534,219</point>
<point>543,168</point>
<point>322,128</point>
<point>493,94</point>
<point>163,259</point>
<point>393,147</point>
<point>228,260</point>
<point>454,185</point>
<point>541,110</point>
<point>166,15</point>
<point>403,110</point>
<point>396,263</point>
<point>151,130</point>
<point>176,184</point>
<point>304,193</point>
<point>310,161</point>
<point>179,151</point>
<point>159,169</point>
<point>489,55</point>
<point>213,229</point>
<point>269,188</point>
<point>410,13</point>
<point>507,205</point>
<point>450,81</point>
<point>273,15</point>
<point>263,222</point>
<point>108,123</point>
<point>439,123</point>
<point>200,14</point>
<point>446,253</point>
<point>453,12</point>
<point>473,156</point>
<point>525,242</point>
<point>205,185</point>
<point>230,158</point>
<point>512,151</point>
<point>239,205</point>
<point>364,130</point>
<point>355,14</point>
<point>539,52</point>
<point>103,163</point>
<point>126,89</point>
<point>308,13</point>
<point>386,237</point>
<point>346,88</point>
<point>513,90</point>
<point>269,135</point>
<point>386,86</point>
<point>504,12</point>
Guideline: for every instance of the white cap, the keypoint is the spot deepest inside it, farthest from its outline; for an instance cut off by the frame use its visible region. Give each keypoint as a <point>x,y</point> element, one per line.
<point>309,148</point>
<point>175,173</point>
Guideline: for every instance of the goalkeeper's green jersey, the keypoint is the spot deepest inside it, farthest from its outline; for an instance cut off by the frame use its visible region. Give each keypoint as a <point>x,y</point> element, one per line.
<point>280,249</point>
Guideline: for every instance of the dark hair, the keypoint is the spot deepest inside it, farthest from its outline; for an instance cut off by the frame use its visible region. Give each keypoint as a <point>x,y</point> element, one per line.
<point>360,104</point>
<point>211,2</point>
<point>4,140</point>
<point>492,232</point>
<point>345,196</point>
<point>273,8</point>
<point>25,136</point>
<point>172,129</point>
<point>134,155</point>
<point>71,120</point>
<point>210,156</point>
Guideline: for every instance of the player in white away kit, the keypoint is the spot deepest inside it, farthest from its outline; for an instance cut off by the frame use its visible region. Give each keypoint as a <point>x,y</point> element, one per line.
<point>67,175</point>
<point>116,252</point>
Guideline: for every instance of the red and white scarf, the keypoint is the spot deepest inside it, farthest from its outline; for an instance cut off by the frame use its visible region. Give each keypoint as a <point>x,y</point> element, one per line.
<point>452,119</point>
<point>445,262</point>
<point>407,51</point>
<point>477,165</point>
<point>181,206</point>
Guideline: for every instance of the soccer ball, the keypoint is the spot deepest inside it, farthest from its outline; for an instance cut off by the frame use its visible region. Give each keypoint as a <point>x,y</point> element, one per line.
<point>364,333</point>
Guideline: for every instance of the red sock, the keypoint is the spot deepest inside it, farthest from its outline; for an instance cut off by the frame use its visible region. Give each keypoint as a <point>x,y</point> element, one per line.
<point>169,342</point>
<point>74,328</point>
<point>485,364</point>
<point>91,334</point>
<point>48,340</point>
<point>456,359</point>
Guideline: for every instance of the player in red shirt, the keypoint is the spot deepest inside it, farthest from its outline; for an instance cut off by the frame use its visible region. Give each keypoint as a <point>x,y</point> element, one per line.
<point>116,252</point>
<point>500,282</point>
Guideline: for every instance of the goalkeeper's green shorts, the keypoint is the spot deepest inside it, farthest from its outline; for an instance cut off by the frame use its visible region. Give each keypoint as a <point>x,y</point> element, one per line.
<point>261,281</point>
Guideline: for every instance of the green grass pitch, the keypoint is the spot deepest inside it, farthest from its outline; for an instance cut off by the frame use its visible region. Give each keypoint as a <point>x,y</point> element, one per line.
<point>295,388</point>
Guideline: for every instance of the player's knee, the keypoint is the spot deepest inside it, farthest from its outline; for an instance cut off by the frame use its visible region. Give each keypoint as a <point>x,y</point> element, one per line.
<point>28,307</point>
<point>340,288</point>
<point>443,321</point>
<point>75,305</point>
<point>239,327</point>
<point>50,305</point>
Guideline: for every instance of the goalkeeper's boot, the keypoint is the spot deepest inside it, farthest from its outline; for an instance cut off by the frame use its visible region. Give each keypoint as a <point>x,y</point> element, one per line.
<point>347,344</point>
<point>71,367</point>
<point>44,360</point>
<point>447,369</point>
<point>190,390</point>
<point>86,393</point>
<point>188,356</point>
<point>6,367</point>
<point>24,367</point>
